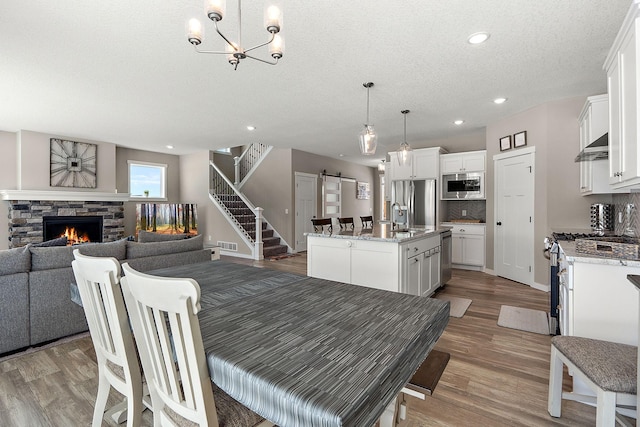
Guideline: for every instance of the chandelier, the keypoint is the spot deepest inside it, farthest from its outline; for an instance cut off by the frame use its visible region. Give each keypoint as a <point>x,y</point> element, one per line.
<point>404,153</point>
<point>235,51</point>
<point>368,139</point>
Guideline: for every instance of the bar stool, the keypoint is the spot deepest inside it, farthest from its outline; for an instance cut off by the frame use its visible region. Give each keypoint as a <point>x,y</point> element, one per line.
<point>345,223</point>
<point>367,221</point>
<point>319,224</point>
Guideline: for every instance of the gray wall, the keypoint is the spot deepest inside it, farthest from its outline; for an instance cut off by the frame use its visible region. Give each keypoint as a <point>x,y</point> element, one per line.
<point>351,207</point>
<point>271,188</point>
<point>122,179</point>
<point>554,131</point>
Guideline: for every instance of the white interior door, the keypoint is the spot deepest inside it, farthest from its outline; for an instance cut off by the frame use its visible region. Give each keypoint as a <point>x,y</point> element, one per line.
<point>514,220</point>
<point>306,207</point>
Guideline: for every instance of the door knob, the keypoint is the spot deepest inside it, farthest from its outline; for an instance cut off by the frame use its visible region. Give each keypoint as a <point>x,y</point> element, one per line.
<point>499,223</point>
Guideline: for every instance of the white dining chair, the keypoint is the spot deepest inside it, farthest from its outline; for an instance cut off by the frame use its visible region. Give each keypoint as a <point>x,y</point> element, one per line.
<point>608,368</point>
<point>163,314</point>
<point>118,365</point>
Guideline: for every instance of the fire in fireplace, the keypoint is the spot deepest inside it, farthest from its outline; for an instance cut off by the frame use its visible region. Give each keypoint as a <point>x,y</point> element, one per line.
<point>78,229</point>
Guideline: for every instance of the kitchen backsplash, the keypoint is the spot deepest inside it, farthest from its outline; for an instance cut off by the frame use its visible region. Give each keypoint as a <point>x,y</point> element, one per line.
<point>475,209</point>
<point>630,224</point>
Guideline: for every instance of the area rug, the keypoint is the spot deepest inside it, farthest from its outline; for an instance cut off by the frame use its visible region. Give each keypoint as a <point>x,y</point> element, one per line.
<point>458,306</point>
<point>524,319</point>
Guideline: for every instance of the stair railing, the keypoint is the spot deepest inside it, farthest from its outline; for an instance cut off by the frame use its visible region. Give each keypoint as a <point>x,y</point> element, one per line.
<point>221,191</point>
<point>246,164</point>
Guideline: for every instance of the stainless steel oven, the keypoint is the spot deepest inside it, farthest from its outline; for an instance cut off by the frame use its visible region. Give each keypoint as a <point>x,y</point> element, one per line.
<point>461,186</point>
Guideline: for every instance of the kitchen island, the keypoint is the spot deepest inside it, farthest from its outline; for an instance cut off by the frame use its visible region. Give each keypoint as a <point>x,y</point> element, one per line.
<point>407,261</point>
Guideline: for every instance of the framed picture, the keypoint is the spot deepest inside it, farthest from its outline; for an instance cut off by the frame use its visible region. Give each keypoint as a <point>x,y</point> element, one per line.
<point>505,143</point>
<point>520,139</point>
<point>362,190</point>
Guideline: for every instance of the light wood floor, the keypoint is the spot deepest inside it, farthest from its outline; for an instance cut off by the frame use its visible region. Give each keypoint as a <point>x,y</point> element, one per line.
<point>495,377</point>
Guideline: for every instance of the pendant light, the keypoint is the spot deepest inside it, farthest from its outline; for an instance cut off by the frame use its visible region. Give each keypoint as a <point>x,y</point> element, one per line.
<point>368,139</point>
<point>404,153</point>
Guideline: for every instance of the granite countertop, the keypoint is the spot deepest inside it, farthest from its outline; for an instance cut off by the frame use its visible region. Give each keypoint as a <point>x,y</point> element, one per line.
<point>569,248</point>
<point>383,233</point>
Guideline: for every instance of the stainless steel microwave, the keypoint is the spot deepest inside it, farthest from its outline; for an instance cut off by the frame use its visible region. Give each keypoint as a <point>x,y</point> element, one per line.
<point>463,186</point>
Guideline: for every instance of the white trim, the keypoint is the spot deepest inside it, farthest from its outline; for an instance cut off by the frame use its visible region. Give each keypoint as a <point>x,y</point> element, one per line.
<point>541,286</point>
<point>514,153</point>
<point>63,195</point>
<point>165,177</point>
<point>308,175</point>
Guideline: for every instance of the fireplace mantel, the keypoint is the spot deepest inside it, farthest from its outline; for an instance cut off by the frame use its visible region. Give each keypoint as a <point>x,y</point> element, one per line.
<point>63,195</point>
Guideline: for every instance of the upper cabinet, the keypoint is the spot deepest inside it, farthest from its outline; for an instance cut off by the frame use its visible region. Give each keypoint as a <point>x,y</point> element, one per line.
<point>472,161</point>
<point>594,122</point>
<point>622,83</point>
<point>424,164</point>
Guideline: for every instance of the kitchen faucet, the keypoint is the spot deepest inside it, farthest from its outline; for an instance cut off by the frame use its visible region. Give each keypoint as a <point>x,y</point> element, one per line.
<point>393,223</point>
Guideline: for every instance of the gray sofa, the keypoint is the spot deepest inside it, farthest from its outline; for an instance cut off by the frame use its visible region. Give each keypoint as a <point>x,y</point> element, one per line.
<point>35,295</point>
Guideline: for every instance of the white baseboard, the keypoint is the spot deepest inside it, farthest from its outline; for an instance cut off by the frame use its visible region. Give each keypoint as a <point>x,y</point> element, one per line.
<point>541,287</point>
<point>236,254</point>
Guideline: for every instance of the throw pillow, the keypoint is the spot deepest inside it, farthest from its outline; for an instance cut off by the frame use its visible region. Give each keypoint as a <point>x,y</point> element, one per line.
<point>17,260</point>
<point>117,249</point>
<point>139,250</point>
<point>60,241</point>
<point>149,236</point>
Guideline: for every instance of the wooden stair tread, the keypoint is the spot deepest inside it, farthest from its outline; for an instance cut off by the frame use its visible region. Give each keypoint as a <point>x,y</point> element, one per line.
<point>428,374</point>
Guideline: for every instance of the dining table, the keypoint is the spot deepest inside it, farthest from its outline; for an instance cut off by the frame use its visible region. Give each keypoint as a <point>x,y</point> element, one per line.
<point>303,351</point>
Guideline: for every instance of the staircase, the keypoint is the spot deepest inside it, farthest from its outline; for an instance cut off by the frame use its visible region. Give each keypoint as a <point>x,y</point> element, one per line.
<point>244,217</point>
<point>271,246</point>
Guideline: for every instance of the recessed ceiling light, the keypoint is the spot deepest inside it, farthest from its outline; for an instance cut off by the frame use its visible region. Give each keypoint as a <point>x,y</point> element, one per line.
<point>478,38</point>
<point>458,122</point>
<point>499,100</point>
<point>170,147</point>
<point>251,127</point>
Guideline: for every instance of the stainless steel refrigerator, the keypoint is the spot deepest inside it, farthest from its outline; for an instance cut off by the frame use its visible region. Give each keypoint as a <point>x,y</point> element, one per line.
<point>413,203</point>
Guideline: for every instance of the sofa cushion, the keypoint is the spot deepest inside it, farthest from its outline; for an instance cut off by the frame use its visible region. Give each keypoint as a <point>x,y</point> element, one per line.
<point>148,236</point>
<point>117,249</point>
<point>60,241</point>
<point>16,260</point>
<point>51,257</point>
<point>138,250</point>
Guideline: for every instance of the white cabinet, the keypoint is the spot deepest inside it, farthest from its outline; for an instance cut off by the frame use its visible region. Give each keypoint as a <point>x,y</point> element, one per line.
<point>467,245</point>
<point>594,122</point>
<point>599,302</point>
<point>424,165</point>
<point>422,266</point>
<point>412,267</point>
<point>472,161</point>
<point>622,83</point>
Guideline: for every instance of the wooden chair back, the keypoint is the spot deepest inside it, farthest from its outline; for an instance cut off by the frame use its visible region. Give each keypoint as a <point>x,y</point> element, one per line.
<point>103,303</point>
<point>163,314</point>
<point>319,224</point>
<point>367,221</point>
<point>346,223</point>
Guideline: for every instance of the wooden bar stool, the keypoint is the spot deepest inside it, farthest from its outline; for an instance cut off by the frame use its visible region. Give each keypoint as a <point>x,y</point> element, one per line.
<point>367,221</point>
<point>346,223</point>
<point>319,224</point>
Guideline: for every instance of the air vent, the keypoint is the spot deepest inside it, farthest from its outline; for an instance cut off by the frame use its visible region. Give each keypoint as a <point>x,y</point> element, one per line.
<point>228,246</point>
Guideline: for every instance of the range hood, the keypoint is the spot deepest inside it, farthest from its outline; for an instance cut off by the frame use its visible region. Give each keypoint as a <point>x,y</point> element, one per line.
<point>597,150</point>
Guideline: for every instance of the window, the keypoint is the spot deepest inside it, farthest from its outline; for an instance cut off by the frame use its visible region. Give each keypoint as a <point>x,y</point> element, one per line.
<point>147,180</point>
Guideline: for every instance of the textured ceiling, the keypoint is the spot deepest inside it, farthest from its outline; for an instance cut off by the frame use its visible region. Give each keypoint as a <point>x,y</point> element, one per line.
<point>122,71</point>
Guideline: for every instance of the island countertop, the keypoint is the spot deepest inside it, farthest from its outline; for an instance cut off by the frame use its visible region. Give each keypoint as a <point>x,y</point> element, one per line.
<point>383,233</point>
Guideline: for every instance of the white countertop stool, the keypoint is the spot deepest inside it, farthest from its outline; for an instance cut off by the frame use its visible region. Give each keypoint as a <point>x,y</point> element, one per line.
<point>608,368</point>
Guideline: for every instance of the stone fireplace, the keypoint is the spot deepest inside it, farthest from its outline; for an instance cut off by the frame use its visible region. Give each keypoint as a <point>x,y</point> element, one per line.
<point>27,225</point>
